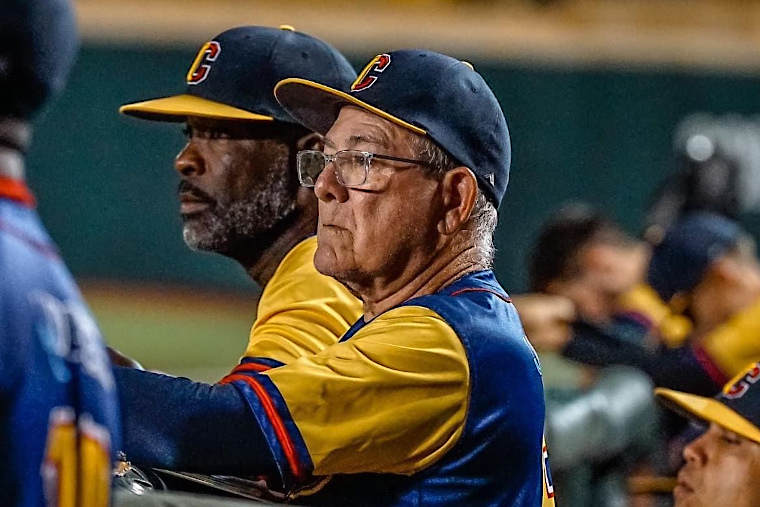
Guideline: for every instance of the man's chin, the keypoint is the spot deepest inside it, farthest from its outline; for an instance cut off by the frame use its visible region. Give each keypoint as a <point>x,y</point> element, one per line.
<point>329,263</point>
<point>685,498</point>
<point>197,238</point>
<point>326,262</point>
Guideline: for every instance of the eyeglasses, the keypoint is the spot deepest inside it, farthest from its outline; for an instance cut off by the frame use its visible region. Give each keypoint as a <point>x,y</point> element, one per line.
<point>351,166</point>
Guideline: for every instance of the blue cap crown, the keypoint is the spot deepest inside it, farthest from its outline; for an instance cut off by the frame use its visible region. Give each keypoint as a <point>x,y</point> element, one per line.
<point>240,67</point>
<point>427,92</point>
<point>682,258</point>
<point>742,394</point>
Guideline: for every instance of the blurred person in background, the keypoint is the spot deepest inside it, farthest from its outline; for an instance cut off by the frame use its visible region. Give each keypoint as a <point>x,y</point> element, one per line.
<point>705,269</point>
<point>637,327</point>
<point>239,189</point>
<point>707,266</point>
<point>59,424</point>
<point>582,267</point>
<point>584,256</point>
<point>722,466</point>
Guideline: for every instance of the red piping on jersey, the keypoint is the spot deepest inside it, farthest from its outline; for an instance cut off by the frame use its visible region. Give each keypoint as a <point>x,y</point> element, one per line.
<point>279,427</point>
<point>709,366</point>
<point>477,289</point>
<point>257,367</point>
<point>17,191</point>
<point>251,367</point>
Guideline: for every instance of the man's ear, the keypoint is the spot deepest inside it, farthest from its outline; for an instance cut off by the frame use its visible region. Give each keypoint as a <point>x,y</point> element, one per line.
<point>311,141</point>
<point>460,191</point>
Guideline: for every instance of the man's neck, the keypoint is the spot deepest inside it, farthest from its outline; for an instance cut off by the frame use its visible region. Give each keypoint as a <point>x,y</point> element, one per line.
<point>444,270</point>
<point>12,164</point>
<point>15,136</point>
<point>261,263</point>
<point>730,304</point>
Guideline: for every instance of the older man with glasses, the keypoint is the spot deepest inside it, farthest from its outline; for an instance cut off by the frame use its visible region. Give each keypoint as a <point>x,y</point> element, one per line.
<point>434,396</point>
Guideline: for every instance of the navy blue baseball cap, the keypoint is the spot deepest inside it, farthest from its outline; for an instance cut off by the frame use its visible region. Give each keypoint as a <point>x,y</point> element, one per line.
<point>234,74</point>
<point>683,256</point>
<point>736,408</point>
<point>428,93</point>
<point>38,45</point>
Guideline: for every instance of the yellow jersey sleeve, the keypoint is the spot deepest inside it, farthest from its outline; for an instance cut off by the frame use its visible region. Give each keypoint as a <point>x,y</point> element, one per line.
<point>391,399</point>
<point>301,311</point>
<point>644,305</point>
<point>735,343</point>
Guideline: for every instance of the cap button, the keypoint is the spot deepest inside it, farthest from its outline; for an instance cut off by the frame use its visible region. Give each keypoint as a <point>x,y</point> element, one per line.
<point>289,28</point>
<point>468,64</point>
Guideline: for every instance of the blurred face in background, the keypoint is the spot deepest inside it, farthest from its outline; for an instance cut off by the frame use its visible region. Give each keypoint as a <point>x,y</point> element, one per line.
<point>236,182</point>
<point>604,272</point>
<point>731,284</point>
<point>721,469</point>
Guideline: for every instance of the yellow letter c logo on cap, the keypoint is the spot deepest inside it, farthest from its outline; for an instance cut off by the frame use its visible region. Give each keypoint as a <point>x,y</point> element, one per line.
<point>740,384</point>
<point>376,65</point>
<point>201,67</point>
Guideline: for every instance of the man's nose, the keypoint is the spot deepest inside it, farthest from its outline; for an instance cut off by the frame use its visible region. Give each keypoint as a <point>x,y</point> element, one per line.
<point>327,187</point>
<point>694,452</point>
<point>189,162</point>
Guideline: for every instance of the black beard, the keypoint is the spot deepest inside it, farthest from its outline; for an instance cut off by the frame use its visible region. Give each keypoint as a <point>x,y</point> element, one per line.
<point>240,230</point>
<point>244,227</point>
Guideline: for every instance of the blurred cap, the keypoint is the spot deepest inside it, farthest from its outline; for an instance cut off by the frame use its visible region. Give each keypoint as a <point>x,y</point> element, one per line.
<point>428,93</point>
<point>688,248</point>
<point>234,75</point>
<point>38,44</point>
<point>736,408</point>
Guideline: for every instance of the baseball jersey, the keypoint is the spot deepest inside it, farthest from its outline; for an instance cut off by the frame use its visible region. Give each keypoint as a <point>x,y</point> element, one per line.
<point>643,306</point>
<point>59,419</point>
<point>300,312</point>
<point>736,342</point>
<point>438,401</point>
<point>722,353</point>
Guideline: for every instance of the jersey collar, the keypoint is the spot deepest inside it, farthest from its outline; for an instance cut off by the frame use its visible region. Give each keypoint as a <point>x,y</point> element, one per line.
<point>16,190</point>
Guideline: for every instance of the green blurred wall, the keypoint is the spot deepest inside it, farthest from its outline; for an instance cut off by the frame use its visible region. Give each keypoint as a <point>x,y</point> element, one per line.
<point>107,189</point>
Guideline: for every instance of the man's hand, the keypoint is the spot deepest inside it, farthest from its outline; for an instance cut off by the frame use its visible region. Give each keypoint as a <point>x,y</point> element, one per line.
<point>119,359</point>
<point>546,319</point>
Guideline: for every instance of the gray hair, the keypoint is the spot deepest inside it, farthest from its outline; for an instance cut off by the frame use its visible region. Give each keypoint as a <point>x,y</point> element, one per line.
<point>483,217</point>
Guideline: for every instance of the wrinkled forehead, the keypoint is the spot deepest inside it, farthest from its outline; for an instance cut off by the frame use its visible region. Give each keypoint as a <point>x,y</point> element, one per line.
<point>357,128</point>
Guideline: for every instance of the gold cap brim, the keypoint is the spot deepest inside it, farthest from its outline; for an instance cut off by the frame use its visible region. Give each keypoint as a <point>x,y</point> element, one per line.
<point>710,410</point>
<point>317,106</point>
<point>179,107</point>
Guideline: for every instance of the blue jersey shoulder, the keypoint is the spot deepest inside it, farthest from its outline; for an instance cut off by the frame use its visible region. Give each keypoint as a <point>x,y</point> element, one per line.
<point>57,393</point>
<point>483,316</point>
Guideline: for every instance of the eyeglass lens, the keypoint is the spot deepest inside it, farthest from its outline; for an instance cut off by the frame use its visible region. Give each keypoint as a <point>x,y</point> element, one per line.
<point>350,166</point>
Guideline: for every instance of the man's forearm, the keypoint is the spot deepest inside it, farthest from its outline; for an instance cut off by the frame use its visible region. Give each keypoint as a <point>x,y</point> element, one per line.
<point>179,424</point>
<point>678,369</point>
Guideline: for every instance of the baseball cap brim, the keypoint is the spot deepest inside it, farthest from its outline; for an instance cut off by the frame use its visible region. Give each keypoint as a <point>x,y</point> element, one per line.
<point>179,107</point>
<point>710,410</point>
<point>317,106</point>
